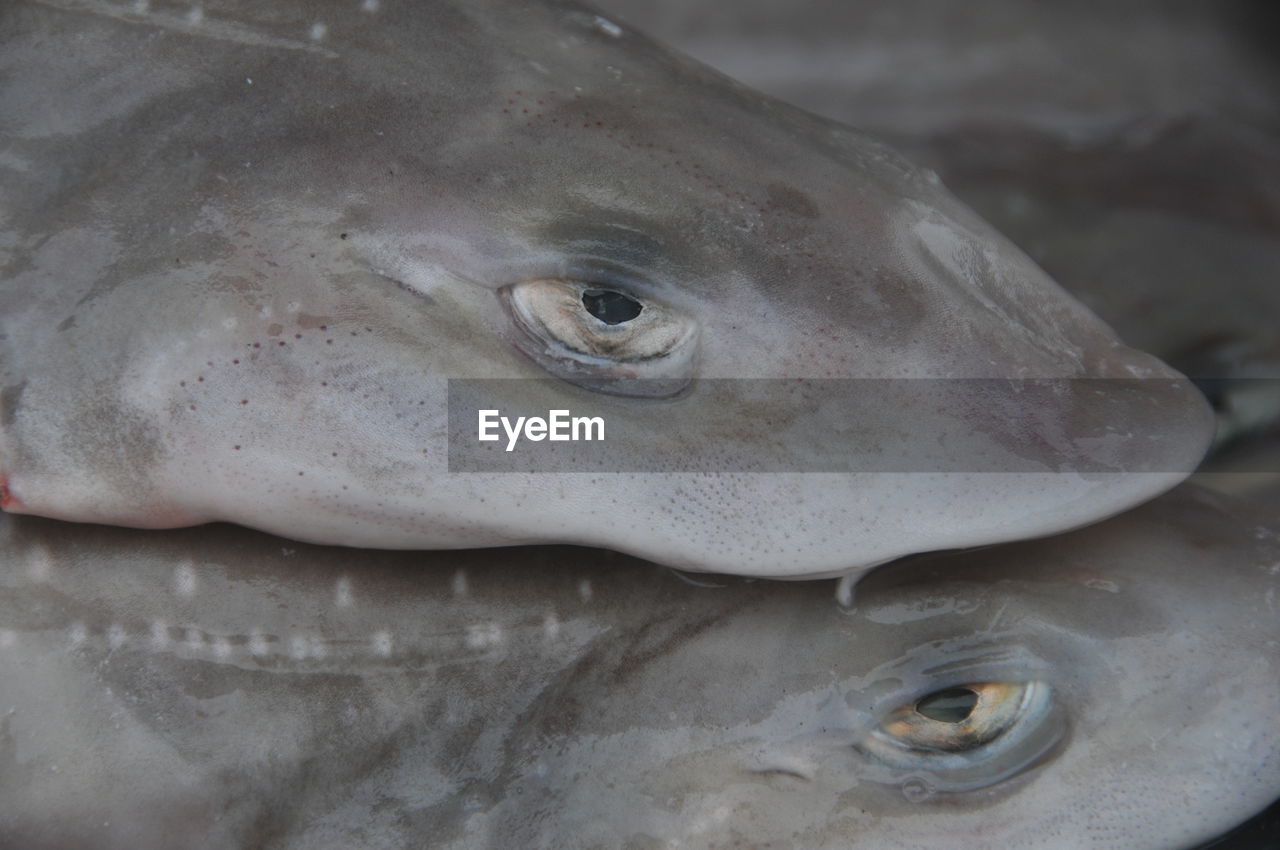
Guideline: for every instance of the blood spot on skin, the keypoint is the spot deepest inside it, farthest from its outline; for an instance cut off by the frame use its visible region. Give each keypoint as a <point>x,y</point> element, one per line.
<point>7,499</point>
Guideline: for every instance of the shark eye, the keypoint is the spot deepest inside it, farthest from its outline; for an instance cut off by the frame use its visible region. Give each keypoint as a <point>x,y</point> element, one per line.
<point>964,737</point>
<point>954,705</point>
<point>612,308</point>
<point>956,719</point>
<point>603,339</point>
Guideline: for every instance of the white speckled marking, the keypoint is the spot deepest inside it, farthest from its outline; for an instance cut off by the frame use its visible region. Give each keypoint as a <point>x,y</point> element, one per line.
<point>608,27</point>
<point>318,31</point>
<point>159,635</point>
<point>342,593</point>
<point>184,580</point>
<point>195,15</point>
<point>8,638</point>
<point>116,635</point>
<point>584,589</point>
<point>460,583</point>
<point>551,626</point>
<point>370,5</point>
<point>78,633</point>
<point>258,644</point>
<point>483,635</point>
<point>302,647</point>
<point>382,644</point>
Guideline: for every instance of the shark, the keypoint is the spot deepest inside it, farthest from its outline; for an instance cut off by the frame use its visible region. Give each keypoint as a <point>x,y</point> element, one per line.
<point>1113,687</point>
<point>267,263</point>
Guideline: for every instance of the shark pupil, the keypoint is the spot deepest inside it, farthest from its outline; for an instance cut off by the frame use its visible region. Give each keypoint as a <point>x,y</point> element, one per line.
<point>953,705</point>
<point>612,308</point>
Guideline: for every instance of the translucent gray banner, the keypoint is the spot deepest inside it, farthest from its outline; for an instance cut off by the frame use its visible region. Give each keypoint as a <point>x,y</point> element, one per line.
<point>802,425</point>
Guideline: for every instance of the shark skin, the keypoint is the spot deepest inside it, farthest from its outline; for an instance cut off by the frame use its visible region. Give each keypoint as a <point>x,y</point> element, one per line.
<point>245,247</point>
<point>215,687</point>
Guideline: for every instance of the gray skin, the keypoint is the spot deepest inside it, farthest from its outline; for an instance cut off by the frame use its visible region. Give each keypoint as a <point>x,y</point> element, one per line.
<point>215,687</point>
<point>243,249</point>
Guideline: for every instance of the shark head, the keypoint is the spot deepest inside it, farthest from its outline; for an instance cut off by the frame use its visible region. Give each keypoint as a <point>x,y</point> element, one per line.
<point>210,687</point>
<point>278,285</point>
<point>1000,697</point>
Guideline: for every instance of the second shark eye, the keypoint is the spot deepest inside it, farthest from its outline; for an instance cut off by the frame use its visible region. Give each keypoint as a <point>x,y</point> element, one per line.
<point>954,705</point>
<point>603,339</point>
<point>964,737</point>
<point>957,719</point>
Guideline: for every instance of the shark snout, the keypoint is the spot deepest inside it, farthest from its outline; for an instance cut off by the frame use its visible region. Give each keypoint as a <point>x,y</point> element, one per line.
<point>1167,422</point>
<point>1129,415</point>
